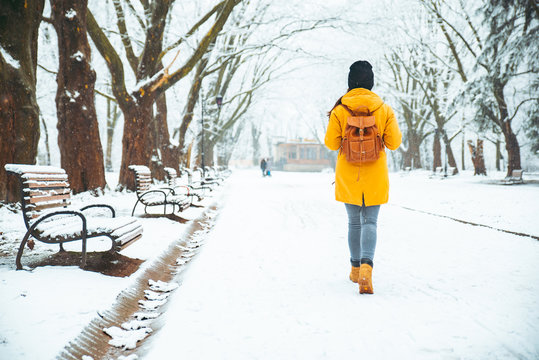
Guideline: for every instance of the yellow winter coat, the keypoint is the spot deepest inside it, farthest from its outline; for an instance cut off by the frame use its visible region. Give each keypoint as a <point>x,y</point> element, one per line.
<point>369,181</point>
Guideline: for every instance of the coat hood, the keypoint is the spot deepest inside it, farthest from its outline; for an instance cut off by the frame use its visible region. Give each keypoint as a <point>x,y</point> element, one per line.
<point>360,96</point>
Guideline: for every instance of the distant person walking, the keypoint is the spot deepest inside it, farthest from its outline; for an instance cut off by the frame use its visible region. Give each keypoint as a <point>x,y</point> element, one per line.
<point>263,164</point>
<point>268,167</point>
<point>362,185</point>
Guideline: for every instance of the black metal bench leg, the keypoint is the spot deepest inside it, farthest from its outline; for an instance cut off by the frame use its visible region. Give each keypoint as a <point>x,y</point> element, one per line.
<point>132,212</point>
<point>83,260</point>
<point>21,249</point>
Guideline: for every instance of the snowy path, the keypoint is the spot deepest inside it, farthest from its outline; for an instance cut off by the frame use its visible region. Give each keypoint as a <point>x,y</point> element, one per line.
<point>271,282</point>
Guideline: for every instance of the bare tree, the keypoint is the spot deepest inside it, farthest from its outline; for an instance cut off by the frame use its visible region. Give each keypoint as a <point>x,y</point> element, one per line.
<point>411,103</point>
<point>137,105</point>
<point>507,36</point>
<point>19,112</point>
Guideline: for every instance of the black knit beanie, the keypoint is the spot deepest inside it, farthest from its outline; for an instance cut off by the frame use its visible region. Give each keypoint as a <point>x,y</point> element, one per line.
<point>360,75</point>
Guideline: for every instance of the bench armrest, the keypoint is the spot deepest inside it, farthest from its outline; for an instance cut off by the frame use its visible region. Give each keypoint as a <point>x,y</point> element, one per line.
<point>101,206</point>
<point>62,212</point>
<point>185,187</point>
<point>170,190</point>
<point>165,194</point>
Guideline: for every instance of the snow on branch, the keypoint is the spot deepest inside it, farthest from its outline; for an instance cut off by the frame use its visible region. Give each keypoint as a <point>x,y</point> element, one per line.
<point>9,59</point>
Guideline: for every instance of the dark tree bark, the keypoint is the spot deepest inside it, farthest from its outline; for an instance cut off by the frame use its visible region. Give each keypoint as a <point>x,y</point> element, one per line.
<point>513,149</point>
<point>412,155</point>
<point>498,155</point>
<point>478,159</point>
<point>511,142</point>
<point>168,154</point>
<point>449,152</point>
<point>436,151</point>
<point>19,112</point>
<point>78,130</point>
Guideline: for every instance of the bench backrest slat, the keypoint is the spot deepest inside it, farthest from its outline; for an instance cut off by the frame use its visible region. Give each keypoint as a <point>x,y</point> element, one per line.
<point>42,188</point>
<point>172,175</point>
<point>143,178</point>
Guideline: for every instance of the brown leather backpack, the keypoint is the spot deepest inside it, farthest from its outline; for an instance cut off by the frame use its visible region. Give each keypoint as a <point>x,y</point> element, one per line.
<point>362,141</point>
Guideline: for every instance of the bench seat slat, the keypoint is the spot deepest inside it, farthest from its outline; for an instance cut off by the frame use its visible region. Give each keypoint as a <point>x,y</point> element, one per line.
<point>70,227</point>
<point>127,237</point>
<point>126,242</point>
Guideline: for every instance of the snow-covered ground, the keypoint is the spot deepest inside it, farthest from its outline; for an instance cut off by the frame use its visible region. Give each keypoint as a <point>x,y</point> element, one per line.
<point>43,309</point>
<point>271,280</point>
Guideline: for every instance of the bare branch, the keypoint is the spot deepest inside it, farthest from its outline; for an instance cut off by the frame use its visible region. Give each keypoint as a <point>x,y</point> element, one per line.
<point>124,35</point>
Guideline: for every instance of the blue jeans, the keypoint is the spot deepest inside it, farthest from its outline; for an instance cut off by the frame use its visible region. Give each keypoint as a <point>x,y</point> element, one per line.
<point>362,233</point>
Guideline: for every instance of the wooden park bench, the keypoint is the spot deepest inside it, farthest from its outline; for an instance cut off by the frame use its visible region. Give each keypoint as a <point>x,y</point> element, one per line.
<point>212,174</point>
<point>207,177</point>
<point>171,175</point>
<point>515,178</point>
<point>49,218</point>
<point>441,172</point>
<point>196,181</point>
<point>149,195</point>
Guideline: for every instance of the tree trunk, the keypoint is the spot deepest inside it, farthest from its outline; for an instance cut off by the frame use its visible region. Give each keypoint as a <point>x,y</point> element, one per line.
<point>449,151</point>
<point>168,154</point>
<point>478,160</point>
<point>511,142</point>
<point>112,119</point>
<point>19,112</point>
<point>78,130</point>
<point>412,155</point>
<point>436,151</point>
<point>513,149</point>
<point>192,99</point>
<point>498,155</point>
<point>46,140</point>
<point>255,138</point>
<point>136,139</point>
<point>209,152</point>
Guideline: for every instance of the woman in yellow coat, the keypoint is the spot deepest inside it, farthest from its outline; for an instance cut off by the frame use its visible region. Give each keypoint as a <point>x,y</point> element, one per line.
<point>364,187</point>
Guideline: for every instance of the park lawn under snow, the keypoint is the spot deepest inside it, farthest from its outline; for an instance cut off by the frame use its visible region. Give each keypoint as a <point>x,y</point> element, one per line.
<point>271,280</point>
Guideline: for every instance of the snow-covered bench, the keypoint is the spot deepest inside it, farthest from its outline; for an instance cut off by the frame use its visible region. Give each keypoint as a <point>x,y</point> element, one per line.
<point>48,216</point>
<point>515,178</point>
<point>196,181</point>
<point>171,175</point>
<point>207,177</point>
<point>156,196</point>
<point>213,174</point>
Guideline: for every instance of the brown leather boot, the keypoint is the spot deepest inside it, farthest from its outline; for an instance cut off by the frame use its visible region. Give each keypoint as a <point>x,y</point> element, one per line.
<point>365,279</point>
<point>354,274</point>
